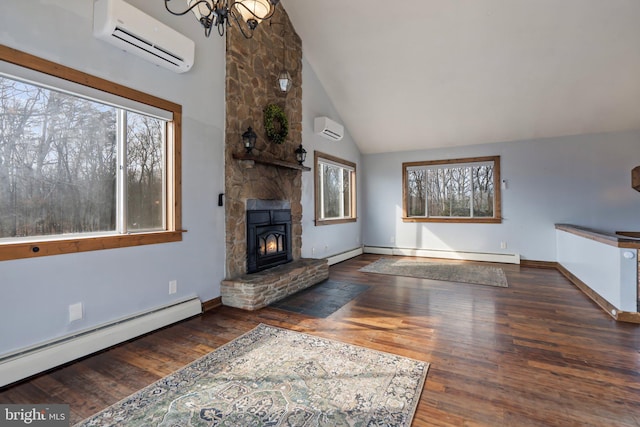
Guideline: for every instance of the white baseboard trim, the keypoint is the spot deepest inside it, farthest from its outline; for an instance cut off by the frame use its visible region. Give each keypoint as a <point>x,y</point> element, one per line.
<point>431,253</point>
<point>30,361</point>
<point>343,256</point>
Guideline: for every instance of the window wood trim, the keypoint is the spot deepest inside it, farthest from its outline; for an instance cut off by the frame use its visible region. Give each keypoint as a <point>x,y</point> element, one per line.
<point>37,249</point>
<point>55,246</point>
<point>317,155</point>
<point>497,207</point>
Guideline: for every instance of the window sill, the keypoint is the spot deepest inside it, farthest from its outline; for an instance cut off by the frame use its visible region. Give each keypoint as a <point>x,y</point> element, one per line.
<point>38,249</point>
<point>454,220</point>
<point>334,221</point>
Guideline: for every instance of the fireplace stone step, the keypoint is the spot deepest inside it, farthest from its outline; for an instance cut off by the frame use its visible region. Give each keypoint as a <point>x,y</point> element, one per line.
<point>257,290</point>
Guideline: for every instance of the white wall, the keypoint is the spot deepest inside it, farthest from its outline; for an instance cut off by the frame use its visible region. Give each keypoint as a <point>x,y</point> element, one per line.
<point>604,268</point>
<point>114,283</point>
<point>582,180</point>
<point>325,240</point>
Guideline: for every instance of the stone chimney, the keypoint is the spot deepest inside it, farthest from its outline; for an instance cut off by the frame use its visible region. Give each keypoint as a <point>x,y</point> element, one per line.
<point>251,84</point>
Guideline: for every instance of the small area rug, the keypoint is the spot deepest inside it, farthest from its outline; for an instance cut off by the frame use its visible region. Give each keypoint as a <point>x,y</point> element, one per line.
<point>449,272</point>
<point>277,377</point>
<point>321,300</point>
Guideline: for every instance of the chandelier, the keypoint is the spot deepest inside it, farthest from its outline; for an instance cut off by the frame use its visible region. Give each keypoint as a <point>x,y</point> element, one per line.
<point>247,14</point>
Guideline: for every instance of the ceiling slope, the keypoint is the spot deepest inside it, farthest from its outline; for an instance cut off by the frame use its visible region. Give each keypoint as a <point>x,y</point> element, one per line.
<point>437,73</point>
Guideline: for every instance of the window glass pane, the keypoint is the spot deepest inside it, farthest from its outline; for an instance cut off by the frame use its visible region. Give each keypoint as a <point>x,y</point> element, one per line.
<point>460,193</point>
<point>417,193</point>
<point>449,192</point>
<point>482,177</point>
<point>57,162</point>
<point>346,192</point>
<point>332,193</point>
<point>145,172</point>
<point>437,193</point>
<point>335,190</point>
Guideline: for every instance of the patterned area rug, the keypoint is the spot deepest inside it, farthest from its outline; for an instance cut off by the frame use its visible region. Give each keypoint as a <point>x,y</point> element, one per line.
<point>321,300</point>
<point>461,273</point>
<point>277,377</point>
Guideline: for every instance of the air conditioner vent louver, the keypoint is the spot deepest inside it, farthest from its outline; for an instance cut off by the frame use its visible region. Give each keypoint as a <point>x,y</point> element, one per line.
<point>150,48</point>
<point>327,128</point>
<point>332,135</point>
<point>132,30</point>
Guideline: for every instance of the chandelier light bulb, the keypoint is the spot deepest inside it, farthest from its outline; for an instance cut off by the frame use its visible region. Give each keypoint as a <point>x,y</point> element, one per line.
<point>253,10</point>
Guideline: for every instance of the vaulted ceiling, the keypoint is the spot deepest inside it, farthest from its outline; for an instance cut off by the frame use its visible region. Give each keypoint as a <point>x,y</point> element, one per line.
<point>418,74</point>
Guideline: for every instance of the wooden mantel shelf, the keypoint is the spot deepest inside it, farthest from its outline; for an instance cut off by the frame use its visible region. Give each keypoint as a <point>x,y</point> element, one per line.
<point>272,162</point>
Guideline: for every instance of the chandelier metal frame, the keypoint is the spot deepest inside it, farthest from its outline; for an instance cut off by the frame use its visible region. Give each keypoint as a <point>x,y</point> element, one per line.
<point>220,14</point>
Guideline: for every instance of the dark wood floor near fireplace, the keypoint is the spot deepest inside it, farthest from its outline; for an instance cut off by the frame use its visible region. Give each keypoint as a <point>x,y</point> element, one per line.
<point>538,353</point>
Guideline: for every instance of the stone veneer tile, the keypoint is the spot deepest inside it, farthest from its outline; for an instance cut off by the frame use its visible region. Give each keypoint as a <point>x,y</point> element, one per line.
<point>257,290</point>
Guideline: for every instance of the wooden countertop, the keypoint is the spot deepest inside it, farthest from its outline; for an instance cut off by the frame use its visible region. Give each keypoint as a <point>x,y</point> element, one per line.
<point>608,238</point>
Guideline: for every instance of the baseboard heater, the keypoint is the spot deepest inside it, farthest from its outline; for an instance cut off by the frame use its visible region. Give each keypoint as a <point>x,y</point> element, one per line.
<point>33,360</point>
<point>343,256</point>
<point>432,253</point>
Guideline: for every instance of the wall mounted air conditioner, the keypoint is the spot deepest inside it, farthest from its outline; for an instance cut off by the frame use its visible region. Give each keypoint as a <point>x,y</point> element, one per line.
<point>327,128</point>
<point>130,29</point>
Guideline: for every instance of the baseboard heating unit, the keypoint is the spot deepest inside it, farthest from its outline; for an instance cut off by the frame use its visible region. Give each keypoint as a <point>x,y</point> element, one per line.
<point>343,256</point>
<point>30,361</point>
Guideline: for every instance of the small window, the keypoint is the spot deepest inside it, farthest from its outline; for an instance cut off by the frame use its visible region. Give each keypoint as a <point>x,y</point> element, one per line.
<point>335,185</point>
<point>457,190</point>
<point>84,164</point>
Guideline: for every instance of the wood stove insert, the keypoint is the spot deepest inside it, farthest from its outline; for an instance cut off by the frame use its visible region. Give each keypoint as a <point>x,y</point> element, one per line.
<point>268,234</point>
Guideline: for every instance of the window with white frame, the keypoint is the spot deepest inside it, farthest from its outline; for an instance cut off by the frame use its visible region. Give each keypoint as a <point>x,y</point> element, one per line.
<point>457,190</point>
<point>335,189</point>
<point>79,162</point>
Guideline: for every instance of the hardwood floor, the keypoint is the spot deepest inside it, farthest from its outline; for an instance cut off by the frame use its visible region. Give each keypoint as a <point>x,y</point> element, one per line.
<point>538,353</point>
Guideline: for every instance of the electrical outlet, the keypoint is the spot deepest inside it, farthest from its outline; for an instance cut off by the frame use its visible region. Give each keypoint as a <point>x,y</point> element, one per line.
<point>75,312</point>
<point>503,245</point>
<point>173,287</point>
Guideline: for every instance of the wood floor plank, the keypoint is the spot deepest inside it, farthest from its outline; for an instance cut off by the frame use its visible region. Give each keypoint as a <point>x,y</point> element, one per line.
<point>538,353</point>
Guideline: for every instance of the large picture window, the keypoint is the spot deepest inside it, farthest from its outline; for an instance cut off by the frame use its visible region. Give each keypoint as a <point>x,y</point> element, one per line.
<point>84,164</point>
<point>457,190</point>
<point>335,185</point>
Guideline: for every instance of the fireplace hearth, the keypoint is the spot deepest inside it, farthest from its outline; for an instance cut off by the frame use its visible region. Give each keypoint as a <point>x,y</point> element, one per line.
<point>268,234</point>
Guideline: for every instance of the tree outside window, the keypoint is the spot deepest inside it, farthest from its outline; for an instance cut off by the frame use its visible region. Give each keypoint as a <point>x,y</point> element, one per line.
<point>458,190</point>
<point>59,162</point>
<point>335,189</point>
<point>81,172</point>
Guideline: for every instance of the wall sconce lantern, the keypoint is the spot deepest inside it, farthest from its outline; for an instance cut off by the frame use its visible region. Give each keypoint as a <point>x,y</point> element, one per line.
<point>249,139</point>
<point>284,81</point>
<point>301,154</point>
<point>284,78</point>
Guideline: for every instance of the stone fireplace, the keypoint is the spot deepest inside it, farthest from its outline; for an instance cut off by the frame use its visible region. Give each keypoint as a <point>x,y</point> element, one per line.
<point>269,174</point>
<point>252,68</point>
<point>268,234</point>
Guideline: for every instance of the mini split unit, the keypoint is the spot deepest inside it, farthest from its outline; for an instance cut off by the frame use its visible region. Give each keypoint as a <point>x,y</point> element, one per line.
<point>132,30</point>
<point>327,128</point>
